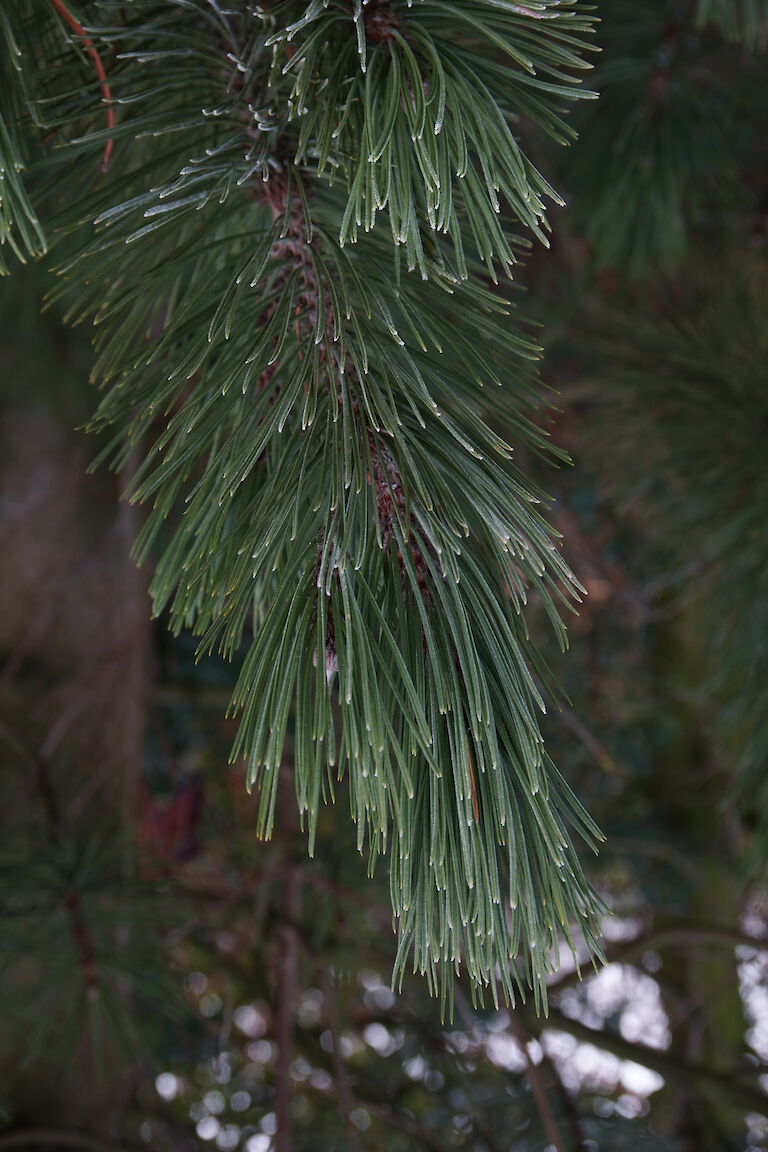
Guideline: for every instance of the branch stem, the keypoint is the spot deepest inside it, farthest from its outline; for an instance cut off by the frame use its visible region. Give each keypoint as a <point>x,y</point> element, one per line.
<point>546,1115</point>
<point>106,91</point>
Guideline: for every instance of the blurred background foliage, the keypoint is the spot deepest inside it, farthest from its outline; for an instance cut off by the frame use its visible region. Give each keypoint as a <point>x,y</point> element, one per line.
<point>169,981</point>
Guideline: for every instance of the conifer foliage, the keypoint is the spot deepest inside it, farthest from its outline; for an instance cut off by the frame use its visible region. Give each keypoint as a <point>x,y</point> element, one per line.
<point>711,356</point>
<point>744,21</point>
<point>282,221</point>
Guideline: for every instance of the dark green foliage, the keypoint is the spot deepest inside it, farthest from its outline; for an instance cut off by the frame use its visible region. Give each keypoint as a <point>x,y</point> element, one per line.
<point>740,20</point>
<point>700,423</point>
<point>658,150</point>
<point>19,226</point>
<point>66,907</point>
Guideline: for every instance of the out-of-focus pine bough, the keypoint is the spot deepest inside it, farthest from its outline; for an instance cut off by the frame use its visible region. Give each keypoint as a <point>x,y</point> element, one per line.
<point>658,154</point>
<point>285,265</point>
<point>744,21</point>
<point>700,420</point>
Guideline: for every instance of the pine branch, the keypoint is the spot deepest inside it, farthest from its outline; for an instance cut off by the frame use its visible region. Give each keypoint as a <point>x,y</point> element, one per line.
<point>311,425</point>
<point>416,101</point>
<point>742,1089</point>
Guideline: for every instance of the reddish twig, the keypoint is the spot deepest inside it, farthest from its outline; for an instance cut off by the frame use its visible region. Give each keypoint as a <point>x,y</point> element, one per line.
<point>92,51</point>
<point>84,946</point>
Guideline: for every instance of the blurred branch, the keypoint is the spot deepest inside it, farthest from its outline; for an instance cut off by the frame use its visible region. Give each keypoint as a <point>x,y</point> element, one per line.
<point>470,1024</point>
<point>594,746</point>
<point>687,934</point>
<point>341,1078</point>
<point>674,857</point>
<point>546,1115</point>
<point>55,1138</point>
<point>568,1105</point>
<point>286,1003</point>
<point>404,1124</point>
<point>81,936</point>
<point>740,1089</point>
<point>364,900</point>
<point>289,943</point>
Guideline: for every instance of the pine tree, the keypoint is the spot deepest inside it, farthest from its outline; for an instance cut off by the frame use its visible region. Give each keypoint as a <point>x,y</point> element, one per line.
<point>286,260</point>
